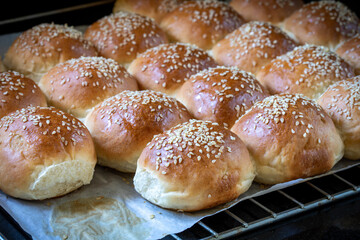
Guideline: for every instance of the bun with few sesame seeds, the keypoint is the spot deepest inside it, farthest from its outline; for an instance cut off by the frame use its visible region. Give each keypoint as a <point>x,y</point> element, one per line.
<point>350,51</point>
<point>274,11</point>
<point>155,9</point>
<point>289,137</point>
<point>194,166</point>
<point>77,85</point>
<point>44,153</point>
<point>202,23</point>
<point>342,102</point>
<point>122,125</point>
<point>221,94</point>
<point>252,45</point>
<point>123,35</point>
<point>325,23</point>
<point>308,70</point>
<point>37,50</point>
<point>18,91</point>
<point>166,67</point>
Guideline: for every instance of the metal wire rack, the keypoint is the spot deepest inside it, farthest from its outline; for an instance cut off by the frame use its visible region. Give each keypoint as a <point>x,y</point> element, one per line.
<point>274,206</point>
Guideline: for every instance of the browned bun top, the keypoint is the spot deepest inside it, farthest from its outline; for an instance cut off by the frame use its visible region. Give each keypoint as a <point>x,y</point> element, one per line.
<point>221,94</point>
<point>289,137</point>
<point>193,166</point>
<point>274,11</point>
<point>79,84</point>
<point>18,91</point>
<point>350,51</point>
<point>342,102</point>
<point>202,23</point>
<point>155,9</point>
<point>35,138</point>
<point>307,69</point>
<point>252,45</point>
<point>122,125</point>
<point>324,23</point>
<point>166,67</point>
<point>40,48</point>
<point>122,35</point>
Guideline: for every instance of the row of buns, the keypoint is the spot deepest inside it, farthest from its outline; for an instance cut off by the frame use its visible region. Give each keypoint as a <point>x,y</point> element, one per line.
<point>179,162</point>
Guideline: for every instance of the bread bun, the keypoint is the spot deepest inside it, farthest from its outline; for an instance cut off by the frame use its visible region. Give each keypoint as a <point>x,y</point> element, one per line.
<point>121,36</point>
<point>122,125</point>
<point>44,153</point>
<point>193,166</point>
<point>40,48</point>
<point>202,23</point>
<point>325,23</point>
<point>221,94</point>
<point>342,102</point>
<point>2,67</point>
<point>155,9</point>
<point>289,137</point>
<point>350,51</point>
<point>252,45</point>
<point>77,85</point>
<point>166,67</point>
<point>308,70</point>
<point>274,11</point>
<point>18,91</point>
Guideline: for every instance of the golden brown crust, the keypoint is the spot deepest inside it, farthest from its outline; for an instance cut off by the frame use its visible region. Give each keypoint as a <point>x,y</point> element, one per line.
<point>202,23</point>
<point>79,84</point>
<point>155,9</point>
<point>325,23</point>
<point>350,51</point>
<point>308,70</point>
<point>122,35</point>
<point>221,94</point>
<point>18,91</point>
<point>342,102</point>
<point>122,125</point>
<point>40,48</point>
<point>166,67</point>
<point>289,137</point>
<point>38,137</point>
<point>274,11</point>
<point>193,166</point>
<point>252,45</point>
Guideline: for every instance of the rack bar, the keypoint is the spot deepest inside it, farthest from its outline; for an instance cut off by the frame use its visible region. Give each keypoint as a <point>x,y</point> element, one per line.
<point>274,215</point>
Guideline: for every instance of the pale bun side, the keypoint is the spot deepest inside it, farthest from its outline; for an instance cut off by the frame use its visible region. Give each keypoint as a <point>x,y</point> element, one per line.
<point>37,50</point>
<point>18,91</point>
<point>350,51</point>
<point>122,125</point>
<point>44,153</point>
<point>342,102</point>
<point>289,137</point>
<point>194,166</point>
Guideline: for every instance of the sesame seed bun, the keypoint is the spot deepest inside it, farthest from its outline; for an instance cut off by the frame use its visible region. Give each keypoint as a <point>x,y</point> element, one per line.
<point>40,48</point>
<point>193,166</point>
<point>18,91</point>
<point>202,23</point>
<point>155,9</point>
<point>77,85</point>
<point>44,153</point>
<point>221,94</point>
<point>252,45</point>
<point>166,67</point>
<point>325,23</point>
<point>122,35</point>
<point>308,70</point>
<point>342,102</point>
<point>289,137</point>
<point>122,125</point>
<point>350,51</point>
<point>274,11</point>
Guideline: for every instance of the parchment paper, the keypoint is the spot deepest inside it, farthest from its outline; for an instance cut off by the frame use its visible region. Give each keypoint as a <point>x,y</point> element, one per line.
<point>110,208</point>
